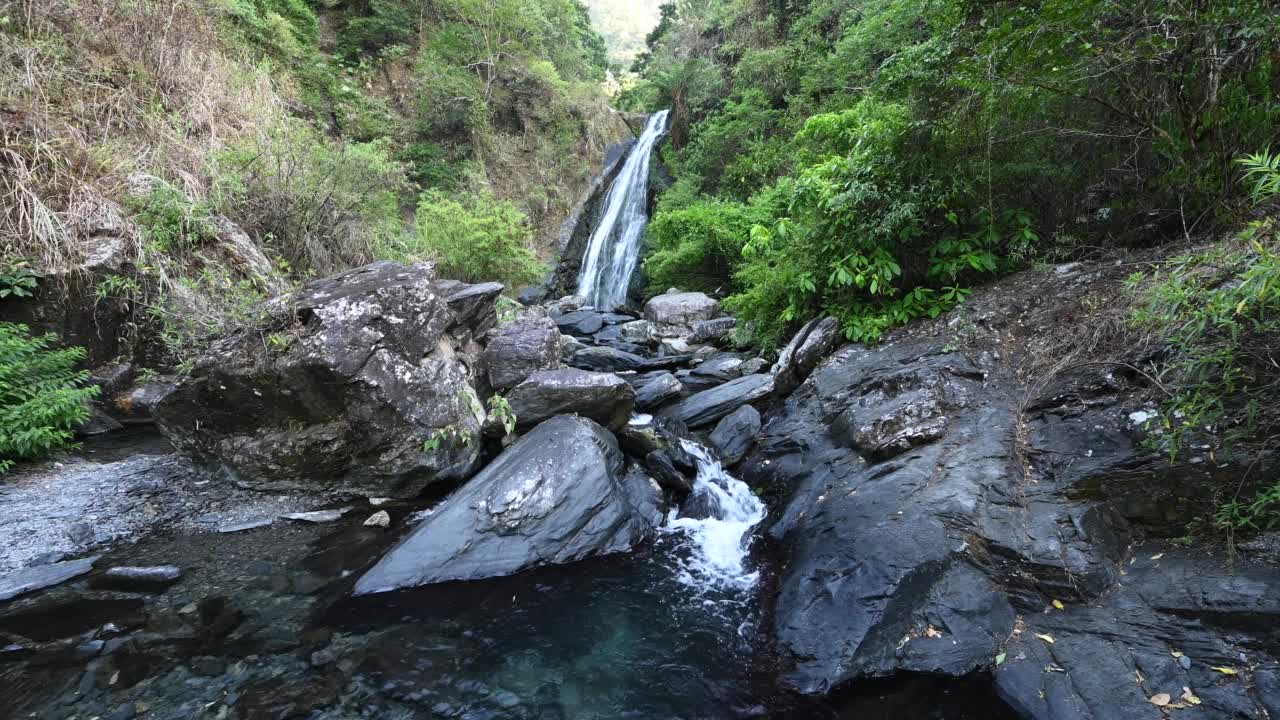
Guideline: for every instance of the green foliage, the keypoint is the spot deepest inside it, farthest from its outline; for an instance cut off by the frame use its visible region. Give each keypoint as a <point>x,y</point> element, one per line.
<point>17,280</point>
<point>322,206</point>
<point>700,246</point>
<point>500,411</point>
<point>42,395</point>
<point>1261,513</point>
<point>1218,312</point>
<point>923,145</point>
<point>170,221</point>
<point>1262,173</point>
<point>473,237</point>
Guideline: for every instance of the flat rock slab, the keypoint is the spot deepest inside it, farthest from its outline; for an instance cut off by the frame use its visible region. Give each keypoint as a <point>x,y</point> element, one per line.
<point>43,576</point>
<point>244,525</point>
<point>709,406</point>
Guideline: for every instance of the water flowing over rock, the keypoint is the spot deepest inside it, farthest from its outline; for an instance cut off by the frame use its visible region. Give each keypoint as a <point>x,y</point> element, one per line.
<point>614,248</point>
<point>602,397</point>
<point>353,385</point>
<point>558,495</point>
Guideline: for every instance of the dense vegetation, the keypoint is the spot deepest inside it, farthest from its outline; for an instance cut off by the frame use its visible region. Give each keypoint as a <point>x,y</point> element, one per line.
<point>872,159</point>
<point>42,395</point>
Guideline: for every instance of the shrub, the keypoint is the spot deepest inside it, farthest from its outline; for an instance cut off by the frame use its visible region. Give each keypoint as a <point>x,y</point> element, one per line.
<point>473,237</point>
<point>42,395</point>
<point>170,220</point>
<point>322,206</point>
<point>699,247</point>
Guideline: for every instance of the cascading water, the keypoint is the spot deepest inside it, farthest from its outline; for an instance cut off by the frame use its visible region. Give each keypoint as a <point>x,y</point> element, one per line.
<point>614,248</point>
<point>718,518</point>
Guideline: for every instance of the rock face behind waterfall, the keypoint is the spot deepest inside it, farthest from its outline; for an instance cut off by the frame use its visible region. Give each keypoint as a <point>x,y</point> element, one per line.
<point>558,495</point>
<point>939,515</point>
<point>342,389</point>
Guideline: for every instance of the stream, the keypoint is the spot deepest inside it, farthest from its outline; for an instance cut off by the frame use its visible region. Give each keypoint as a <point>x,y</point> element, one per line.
<point>262,623</point>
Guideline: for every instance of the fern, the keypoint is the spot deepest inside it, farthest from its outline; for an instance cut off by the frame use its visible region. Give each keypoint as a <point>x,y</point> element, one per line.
<point>1262,171</point>
<point>42,395</point>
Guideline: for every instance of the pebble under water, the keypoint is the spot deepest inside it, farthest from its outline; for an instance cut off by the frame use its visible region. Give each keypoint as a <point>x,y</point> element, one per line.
<point>262,625</point>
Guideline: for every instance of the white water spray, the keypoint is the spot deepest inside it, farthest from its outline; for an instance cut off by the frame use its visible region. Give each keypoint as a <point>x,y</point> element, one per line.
<point>719,541</point>
<point>614,248</point>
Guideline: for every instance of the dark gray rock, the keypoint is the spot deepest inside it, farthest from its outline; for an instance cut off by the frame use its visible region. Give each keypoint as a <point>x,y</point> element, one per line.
<point>602,397</point>
<point>138,405</point>
<point>735,434</point>
<point>520,348</point>
<point>98,423</point>
<point>658,391</point>
<point>797,360</point>
<point>357,375</point>
<point>662,464</point>
<point>558,495</point>
<point>474,306</point>
<point>582,323</point>
<point>712,331</point>
<point>606,359</point>
<point>717,370</point>
<point>139,579</point>
<point>40,577</point>
<point>708,406</point>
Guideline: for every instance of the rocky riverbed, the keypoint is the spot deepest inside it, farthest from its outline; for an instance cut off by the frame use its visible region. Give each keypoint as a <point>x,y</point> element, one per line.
<point>354,528</point>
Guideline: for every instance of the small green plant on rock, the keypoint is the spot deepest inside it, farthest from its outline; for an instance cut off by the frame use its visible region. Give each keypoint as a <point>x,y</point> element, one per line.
<point>17,280</point>
<point>171,221</point>
<point>500,410</point>
<point>42,395</point>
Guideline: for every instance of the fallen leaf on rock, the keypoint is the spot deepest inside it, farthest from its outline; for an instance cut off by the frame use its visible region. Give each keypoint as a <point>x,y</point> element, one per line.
<point>1046,638</point>
<point>933,632</point>
<point>1226,670</point>
<point>1175,653</point>
<point>1160,700</point>
<point>1058,604</point>
<point>1189,696</point>
<point>1157,556</point>
<point>1000,659</point>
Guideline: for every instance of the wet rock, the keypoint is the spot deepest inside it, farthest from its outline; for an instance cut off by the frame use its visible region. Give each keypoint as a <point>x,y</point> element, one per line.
<point>323,656</point>
<point>735,434</point>
<point>520,348</point>
<point>604,398</point>
<point>208,666</point>
<point>138,579</point>
<point>570,346</point>
<point>43,576</point>
<point>380,519</point>
<point>569,303</point>
<point>606,359</point>
<point>556,496</point>
<point>662,464</point>
<point>797,360</point>
<point>317,516</point>
<point>712,331</point>
<point>658,391</point>
<point>902,410</point>
<point>613,319</point>
<point>673,315</point>
<point>582,323</point>
<point>708,406</point>
<point>359,373</point>
<point>754,366</point>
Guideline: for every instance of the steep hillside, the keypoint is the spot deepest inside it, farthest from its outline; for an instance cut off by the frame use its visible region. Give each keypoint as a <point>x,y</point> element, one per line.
<point>139,139</point>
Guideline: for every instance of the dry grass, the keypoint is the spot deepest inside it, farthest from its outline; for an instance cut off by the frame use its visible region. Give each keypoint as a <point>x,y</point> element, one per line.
<point>93,90</point>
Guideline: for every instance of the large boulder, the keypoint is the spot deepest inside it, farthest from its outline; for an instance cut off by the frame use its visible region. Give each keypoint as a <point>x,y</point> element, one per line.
<point>522,347</point>
<point>658,390</point>
<point>674,314</point>
<point>558,495</point>
<point>607,359</point>
<point>353,385</point>
<point>602,397</point>
<point>943,512</point>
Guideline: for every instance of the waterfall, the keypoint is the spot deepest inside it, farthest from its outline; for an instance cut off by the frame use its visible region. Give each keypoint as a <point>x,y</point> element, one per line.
<point>614,248</point>
<point>719,531</point>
